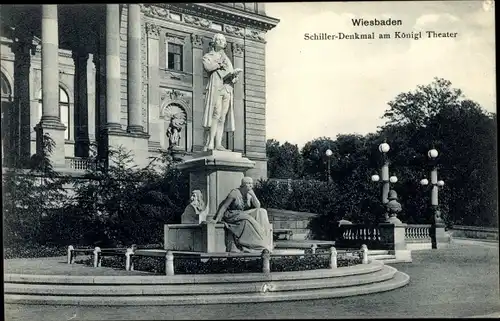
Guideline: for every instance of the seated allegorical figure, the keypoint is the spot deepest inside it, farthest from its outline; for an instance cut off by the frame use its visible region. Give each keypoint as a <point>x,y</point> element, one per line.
<point>248,227</point>
<point>196,211</point>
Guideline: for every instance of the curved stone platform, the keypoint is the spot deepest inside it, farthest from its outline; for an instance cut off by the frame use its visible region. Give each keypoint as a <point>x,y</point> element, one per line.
<point>201,289</point>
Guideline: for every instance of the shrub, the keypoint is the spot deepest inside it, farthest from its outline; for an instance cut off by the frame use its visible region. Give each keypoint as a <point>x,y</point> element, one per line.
<point>16,252</point>
<point>232,265</point>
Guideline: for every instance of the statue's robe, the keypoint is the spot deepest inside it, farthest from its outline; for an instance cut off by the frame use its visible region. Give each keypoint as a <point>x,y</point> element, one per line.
<point>215,84</point>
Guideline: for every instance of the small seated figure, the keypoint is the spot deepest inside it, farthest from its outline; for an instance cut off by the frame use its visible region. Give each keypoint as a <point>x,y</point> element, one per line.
<point>196,211</point>
<point>393,207</point>
<point>248,227</point>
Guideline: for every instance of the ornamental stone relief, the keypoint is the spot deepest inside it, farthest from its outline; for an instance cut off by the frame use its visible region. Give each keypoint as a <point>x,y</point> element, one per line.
<point>164,14</point>
<point>153,30</point>
<point>176,97</point>
<point>197,41</point>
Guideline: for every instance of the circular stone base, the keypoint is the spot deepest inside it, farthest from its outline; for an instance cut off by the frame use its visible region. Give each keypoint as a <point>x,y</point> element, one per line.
<point>201,289</point>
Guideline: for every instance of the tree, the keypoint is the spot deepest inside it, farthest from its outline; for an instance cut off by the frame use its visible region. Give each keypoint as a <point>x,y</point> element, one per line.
<point>439,116</point>
<point>314,158</point>
<point>284,161</point>
<point>418,107</point>
<point>31,197</point>
<point>122,204</point>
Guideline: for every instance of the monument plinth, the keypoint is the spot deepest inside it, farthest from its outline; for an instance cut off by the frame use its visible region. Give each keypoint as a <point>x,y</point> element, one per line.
<point>215,173</point>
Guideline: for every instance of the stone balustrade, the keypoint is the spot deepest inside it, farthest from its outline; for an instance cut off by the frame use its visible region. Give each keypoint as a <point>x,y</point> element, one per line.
<point>418,232</point>
<point>79,163</point>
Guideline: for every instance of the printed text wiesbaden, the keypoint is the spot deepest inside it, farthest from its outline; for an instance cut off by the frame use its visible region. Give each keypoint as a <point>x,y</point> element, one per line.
<point>360,22</point>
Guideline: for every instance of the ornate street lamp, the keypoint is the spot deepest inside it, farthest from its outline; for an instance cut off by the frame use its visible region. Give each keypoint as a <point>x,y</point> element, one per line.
<point>328,154</point>
<point>386,180</point>
<point>435,184</point>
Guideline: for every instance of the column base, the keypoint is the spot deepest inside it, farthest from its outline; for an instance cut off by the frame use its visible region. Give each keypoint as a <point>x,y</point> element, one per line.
<point>114,127</point>
<point>135,129</point>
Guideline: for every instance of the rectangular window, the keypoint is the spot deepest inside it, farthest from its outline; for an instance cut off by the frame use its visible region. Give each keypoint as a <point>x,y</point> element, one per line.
<point>174,56</point>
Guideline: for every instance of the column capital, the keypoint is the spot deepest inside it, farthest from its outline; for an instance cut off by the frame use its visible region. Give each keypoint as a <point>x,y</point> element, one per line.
<point>153,30</point>
<point>238,49</point>
<point>197,41</point>
<point>80,55</point>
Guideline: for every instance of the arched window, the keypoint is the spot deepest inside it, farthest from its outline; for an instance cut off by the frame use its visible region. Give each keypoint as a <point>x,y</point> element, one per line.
<point>6,91</point>
<point>64,114</point>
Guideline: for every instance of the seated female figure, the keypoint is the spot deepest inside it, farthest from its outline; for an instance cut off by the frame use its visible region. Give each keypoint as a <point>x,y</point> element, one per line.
<point>248,226</point>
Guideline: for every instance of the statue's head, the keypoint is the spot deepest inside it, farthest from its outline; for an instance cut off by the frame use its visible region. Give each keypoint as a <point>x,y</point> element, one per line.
<point>219,41</point>
<point>197,200</point>
<point>247,183</point>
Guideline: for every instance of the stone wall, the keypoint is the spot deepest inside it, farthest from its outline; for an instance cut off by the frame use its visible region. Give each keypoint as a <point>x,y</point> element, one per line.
<point>296,221</point>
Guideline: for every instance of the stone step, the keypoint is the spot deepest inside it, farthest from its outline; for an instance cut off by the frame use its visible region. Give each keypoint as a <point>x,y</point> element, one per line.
<point>268,294</point>
<point>377,252</point>
<point>384,274</point>
<point>382,257</point>
<point>186,279</point>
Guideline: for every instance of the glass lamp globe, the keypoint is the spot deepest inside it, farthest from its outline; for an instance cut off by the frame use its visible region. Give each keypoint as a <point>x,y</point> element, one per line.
<point>425,181</point>
<point>393,179</point>
<point>433,153</point>
<point>328,152</point>
<point>440,183</point>
<point>384,147</point>
<point>375,178</point>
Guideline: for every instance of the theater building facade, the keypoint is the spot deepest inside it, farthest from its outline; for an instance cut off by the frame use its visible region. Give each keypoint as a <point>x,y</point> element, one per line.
<point>96,76</point>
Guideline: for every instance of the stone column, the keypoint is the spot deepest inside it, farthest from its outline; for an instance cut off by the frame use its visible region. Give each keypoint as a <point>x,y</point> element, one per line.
<point>81,104</point>
<point>239,104</point>
<point>19,127</point>
<point>50,64</point>
<point>198,91</point>
<point>50,122</point>
<point>134,77</point>
<point>91,92</point>
<point>156,130</point>
<point>113,100</point>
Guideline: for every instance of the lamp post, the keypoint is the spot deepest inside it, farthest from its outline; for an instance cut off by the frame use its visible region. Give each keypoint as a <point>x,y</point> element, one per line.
<point>435,184</point>
<point>386,180</point>
<point>328,154</point>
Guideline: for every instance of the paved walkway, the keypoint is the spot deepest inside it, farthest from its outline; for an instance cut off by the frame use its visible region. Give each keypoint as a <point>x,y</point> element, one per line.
<point>462,281</point>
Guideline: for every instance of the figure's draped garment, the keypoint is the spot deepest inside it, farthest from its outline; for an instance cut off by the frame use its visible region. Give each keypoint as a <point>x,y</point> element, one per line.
<point>215,87</point>
<point>250,230</point>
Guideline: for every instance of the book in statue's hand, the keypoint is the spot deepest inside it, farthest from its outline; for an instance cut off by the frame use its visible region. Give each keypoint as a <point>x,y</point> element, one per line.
<point>229,76</point>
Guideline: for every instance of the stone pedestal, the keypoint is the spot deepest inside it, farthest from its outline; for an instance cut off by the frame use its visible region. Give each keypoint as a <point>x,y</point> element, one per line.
<point>215,174</point>
<point>392,236</point>
<point>136,143</point>
<point>56,132</point>
<point>207,238</point>
<point>439,238</point>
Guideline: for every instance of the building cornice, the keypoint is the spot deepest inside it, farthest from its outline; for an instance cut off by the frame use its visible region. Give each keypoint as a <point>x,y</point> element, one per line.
<point>255,20</point>
<point>215,12</point>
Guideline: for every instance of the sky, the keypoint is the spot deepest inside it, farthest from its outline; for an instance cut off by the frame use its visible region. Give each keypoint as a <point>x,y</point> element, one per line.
<point>320,88</point>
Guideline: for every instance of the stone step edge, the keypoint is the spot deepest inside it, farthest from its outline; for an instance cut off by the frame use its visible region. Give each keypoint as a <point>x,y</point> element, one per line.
<point>360,269</point>
<point>399,280</point>
<point>383,256</point>
<point>200,289</point>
